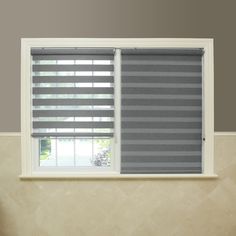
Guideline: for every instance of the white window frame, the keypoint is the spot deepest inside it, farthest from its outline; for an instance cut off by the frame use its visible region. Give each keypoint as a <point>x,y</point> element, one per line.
<point>27,152</point>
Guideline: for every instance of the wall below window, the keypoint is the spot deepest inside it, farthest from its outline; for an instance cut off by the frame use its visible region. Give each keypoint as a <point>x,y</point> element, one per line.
<point>118,207</point>
<point>112,18</point>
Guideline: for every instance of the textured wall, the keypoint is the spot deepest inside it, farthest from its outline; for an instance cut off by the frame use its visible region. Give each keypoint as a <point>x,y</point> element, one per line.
<point>118,18</point>
<point>118,207</point>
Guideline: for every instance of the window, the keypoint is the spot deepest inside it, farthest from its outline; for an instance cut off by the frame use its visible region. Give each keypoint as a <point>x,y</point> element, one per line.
<point>73,107</point>
<point>117,107</point>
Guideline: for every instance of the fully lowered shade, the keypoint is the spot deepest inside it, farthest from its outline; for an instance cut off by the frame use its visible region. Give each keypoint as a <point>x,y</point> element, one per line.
<point>161,121</point>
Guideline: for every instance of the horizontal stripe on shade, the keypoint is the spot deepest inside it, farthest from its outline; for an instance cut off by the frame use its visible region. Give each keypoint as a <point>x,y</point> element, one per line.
<point>160,79</point>
<point>159,153</point>
<point>161,62</point>
<point>161,170</point>
<point>162,108</point>
<point>74,134</point>
<point>72,51</point>
<point>161,117</point>
<point>73,79</point>
<point>42,68</point>
<point>68,90</point>
<point>182,91</point>
<point>73,113</point>
<point>168,125</point>
<point>162,68</point>
<point>161,164</point>
<point>162,85</point>
<point>71,124</point>
<point>153,159</point>
<point>161,96</point>
<point>161,102</point>
<point>73,102</point>
<point>151,113</point>
<point>135,137</point>
<point>153,147</point>
<point>161,73</point>
<point>160,130</point>
<point>72,57</point>
<point>161,142</point>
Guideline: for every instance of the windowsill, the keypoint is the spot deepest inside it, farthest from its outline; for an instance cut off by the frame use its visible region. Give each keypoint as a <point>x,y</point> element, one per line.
<point>118,176</point>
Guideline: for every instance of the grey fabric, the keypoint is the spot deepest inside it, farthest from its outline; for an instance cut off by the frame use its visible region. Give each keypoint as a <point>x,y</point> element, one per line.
<point>53,56</point>
<point>43,68</point>
<point>161,68</point>
<point>73,79</point>
<point>165,91</point>
<point>67,90</point>
<point>162,102</point>
<point>94,53</point>
<point>153,53</point>
<point>163,113</point>
<point>72,102</point>
<point>162,73</point>
<point>73,113</point>
<point>161,79</point>
<point>70,134</point>
<point>71,124</point>
<point>161,108</point>
<point>161,117</point>
<point>69,98</point>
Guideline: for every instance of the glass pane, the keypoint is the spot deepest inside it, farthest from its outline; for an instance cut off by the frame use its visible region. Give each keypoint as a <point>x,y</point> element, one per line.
<point>44,62</point>
<point>65,62</point>
<point>71,152</point>
<point>102,73</point>
<point>83,73</point>
<point>65,152</point>
<point>84,152</point>
<point>102,62</point>
<point>47,151</point>
<point>83,62</point>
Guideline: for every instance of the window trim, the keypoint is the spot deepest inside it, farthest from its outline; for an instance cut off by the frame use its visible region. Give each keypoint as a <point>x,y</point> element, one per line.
<point>208,101</point>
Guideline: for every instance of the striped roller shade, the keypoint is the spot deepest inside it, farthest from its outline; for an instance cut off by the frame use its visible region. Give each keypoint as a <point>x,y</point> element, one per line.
<point>161,117</point>
<point>73,92</point>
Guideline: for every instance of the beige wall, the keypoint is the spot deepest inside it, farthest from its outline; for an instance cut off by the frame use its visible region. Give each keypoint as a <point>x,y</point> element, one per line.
<point>117,18</point>
<point>118,207</point>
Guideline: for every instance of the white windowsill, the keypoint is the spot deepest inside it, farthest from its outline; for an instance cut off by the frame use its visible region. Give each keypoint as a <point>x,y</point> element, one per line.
<point>118,176</point>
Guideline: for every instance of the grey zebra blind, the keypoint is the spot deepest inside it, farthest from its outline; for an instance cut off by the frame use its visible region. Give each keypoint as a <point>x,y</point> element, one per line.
<point>161,117</point>
<point>72,93</point>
